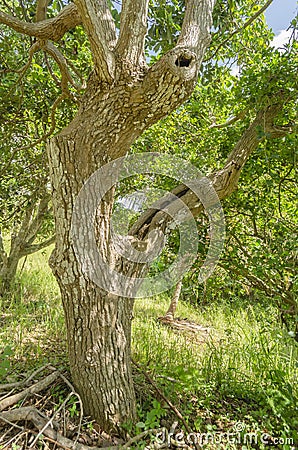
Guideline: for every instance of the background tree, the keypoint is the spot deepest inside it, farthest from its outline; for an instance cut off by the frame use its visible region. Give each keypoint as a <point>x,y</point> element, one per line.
<point>26,122</point>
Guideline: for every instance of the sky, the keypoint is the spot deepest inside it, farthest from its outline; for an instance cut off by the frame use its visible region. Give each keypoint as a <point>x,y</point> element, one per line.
<point>278,16</point>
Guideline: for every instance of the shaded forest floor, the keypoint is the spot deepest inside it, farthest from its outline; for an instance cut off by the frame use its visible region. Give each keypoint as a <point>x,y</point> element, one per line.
<point>235,385</point>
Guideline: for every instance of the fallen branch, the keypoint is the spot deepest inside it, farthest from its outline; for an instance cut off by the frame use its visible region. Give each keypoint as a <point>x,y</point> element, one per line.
<point>50,421</point>
<point>38,387</point>
<point>30,413</point>
<point>46,426</point>
<point>4,387</point>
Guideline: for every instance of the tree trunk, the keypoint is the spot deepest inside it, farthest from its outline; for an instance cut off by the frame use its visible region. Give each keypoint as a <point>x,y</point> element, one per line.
<point>110,119</point>
<point>99,345</point>
<point>8,271</point>
<point>22,241</point>
<point>170,314</point>
<point>98,323</point>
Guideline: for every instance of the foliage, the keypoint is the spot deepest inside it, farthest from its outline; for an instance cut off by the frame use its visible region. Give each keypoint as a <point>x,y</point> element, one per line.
<point>4,361</point>
<point>29,114</point>
<point>261,250</point>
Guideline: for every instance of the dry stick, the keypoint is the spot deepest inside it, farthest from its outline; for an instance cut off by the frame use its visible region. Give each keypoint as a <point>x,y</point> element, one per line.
<point>25,382</point>
<point>7,394</point>
<point>173,407</point>
<point>50,421</point>
<point>13,425</point>
<point>15,439</point>
<point>66,381</point>
<point>40,386</point>
<point>140,436</point>
<point>32,414</point>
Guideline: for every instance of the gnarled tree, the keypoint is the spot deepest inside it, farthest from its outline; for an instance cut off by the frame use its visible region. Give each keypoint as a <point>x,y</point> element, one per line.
<point>123,97</point>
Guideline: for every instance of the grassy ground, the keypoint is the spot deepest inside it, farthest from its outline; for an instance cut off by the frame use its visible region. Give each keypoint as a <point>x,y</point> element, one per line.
<point>241,380</point>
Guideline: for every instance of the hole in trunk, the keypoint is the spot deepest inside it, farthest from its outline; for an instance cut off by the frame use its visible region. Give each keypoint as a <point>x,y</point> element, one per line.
<point>182,61</point>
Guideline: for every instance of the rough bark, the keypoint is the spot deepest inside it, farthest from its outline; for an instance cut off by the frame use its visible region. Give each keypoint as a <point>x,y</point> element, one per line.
<point>170,314</point>
<point>98,324</point>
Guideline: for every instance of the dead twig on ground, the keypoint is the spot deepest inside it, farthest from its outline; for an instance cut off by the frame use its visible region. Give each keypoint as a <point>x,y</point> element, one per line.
<point>161,394</point>
<point>4,387</point>
<point>37,387</point>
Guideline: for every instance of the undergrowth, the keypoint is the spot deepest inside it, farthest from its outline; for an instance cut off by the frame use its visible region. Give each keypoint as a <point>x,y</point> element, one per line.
<point>240,379</point>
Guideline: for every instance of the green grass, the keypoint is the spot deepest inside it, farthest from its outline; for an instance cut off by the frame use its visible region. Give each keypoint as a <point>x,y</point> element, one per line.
<point>246,372</point>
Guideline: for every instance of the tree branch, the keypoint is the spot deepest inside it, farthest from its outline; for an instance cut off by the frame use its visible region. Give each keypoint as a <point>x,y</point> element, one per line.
<point>196,25</point>
<point>178,69</point>
<point>100,27</point>
<point>224,181</point>
<point>62,63</point>
<point>52,29</point>
<point>229,122</point>
<point>133,28</point>
<point>239,29</point>
<point>36,219</point>
<point>3,254</point>
<point>28,250</point>
<point>41,10</point>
